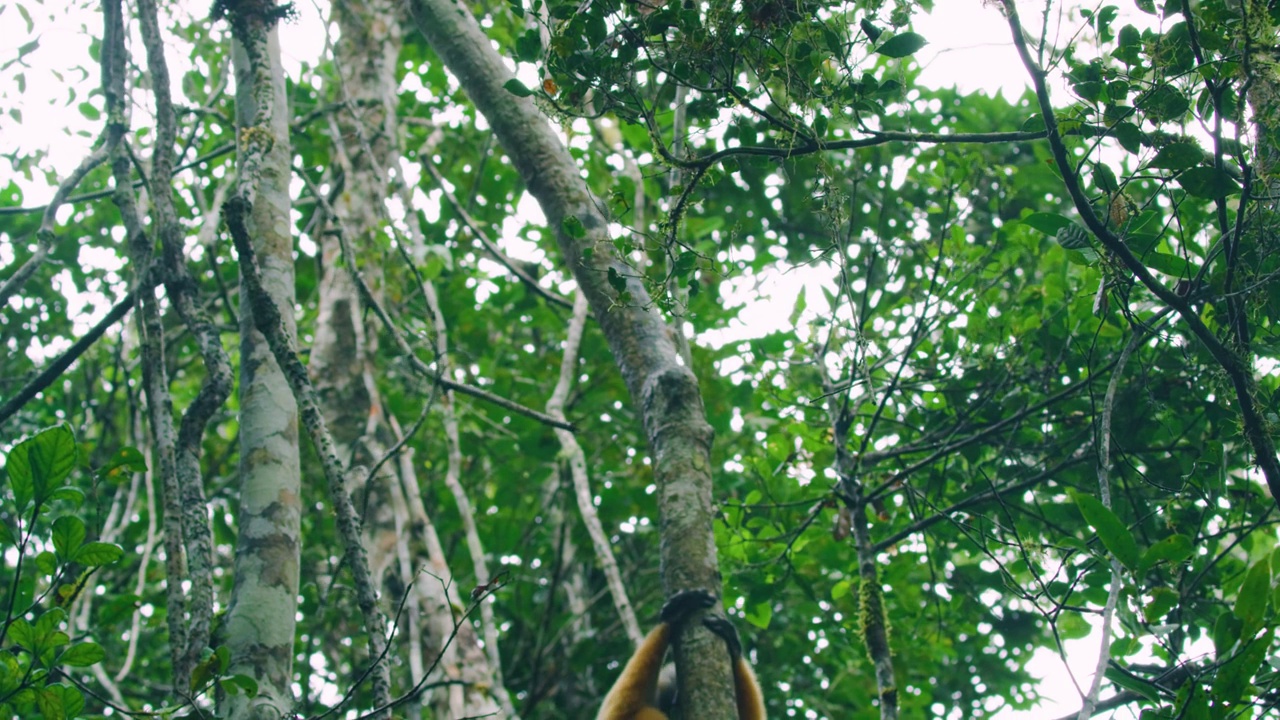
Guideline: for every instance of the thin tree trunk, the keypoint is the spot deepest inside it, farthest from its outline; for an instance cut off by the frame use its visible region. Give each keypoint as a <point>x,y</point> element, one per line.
<point>366,147</point>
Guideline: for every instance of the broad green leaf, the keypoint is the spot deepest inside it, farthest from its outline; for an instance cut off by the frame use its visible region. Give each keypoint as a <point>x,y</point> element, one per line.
<point>1173,549</point>
<point>616,281</point>
<point>840,590</point>
<point>96,554</point>
<point>68,494</point>
<point>760,615</point>
<point>1163,600</point>
<point>1128,135</point>
<point>685,263</point>
<point>82,654</point>
<point>1111,530</point>
<point>68,535</point>
<point>41,463</point>
<point>49,621</point>
<point>1163,103</point>
<point>902,45</point>
<point>529,46</point>
<point>1178,156</point>
<point>1226,631</point>
<point>1104,178</point>
<point>1235,675</point>
<point>1047,223</point>
<point>873,33</point>
<point>1252,600</point>
<point>1207,182</point>
<point>820,126</point>
<point>517,88</point>
<point>1168,264</point>
<point>123,463</point>
<point>573,227</point>
<point>1134,683</point>
<point>89,111</point>
<point>1073,237</point>
<point>237,684</point>
<point>50,701</point>
<point>23,634</point>
<point>46,562</point>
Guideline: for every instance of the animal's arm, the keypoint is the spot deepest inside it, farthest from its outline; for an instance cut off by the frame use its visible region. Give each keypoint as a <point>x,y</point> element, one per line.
<point>633,695</point>
<point>746,687</point>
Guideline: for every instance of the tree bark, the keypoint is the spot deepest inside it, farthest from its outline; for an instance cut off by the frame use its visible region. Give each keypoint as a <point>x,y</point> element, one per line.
<point>664,389</point>
<point>264,599</point>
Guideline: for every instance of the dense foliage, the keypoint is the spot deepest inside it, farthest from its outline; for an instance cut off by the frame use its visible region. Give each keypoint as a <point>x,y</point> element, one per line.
<point>1026,391</point>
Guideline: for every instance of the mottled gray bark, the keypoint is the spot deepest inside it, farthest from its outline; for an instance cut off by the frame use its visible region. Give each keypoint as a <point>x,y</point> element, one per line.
<point>664,389</point>
<point>365,149</point>
<point>260,617</point>
<point>139,246</point>
<point>215,387</point>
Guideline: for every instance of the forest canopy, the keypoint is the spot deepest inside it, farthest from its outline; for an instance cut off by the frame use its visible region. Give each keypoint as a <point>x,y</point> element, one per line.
<point>410,375</point>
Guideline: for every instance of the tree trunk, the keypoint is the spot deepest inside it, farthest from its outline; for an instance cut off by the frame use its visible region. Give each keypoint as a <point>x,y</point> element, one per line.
<point>366,147</point>
<point>664,389</point>
<point>264,598</point>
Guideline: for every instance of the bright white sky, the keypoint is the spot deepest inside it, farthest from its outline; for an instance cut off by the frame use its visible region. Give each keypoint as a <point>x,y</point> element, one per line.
<point>969,48</point>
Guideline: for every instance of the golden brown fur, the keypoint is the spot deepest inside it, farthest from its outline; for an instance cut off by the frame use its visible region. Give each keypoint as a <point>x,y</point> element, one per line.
<point>635,695</point>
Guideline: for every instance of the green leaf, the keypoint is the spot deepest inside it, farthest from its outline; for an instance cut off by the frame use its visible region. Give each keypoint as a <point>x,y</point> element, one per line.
<point>1111,530</point>
<point>517,88</point>
<point>68,535</point>
<point>760,615</point>
<point>1047,223</point>
<point>122,463</point>
<point>1226,631</point>
<point>1173,549</point>
<point>23,634</point>
<point>1104,178</point>
<point>46,562</point>
<point>1134,683</point>
<point>1207,182</point>
<point>685,263</point>
<point>873,33</point>
<point>41,463</point>
<point>1128,135</point>
<point>48,623</point>
<point>1252,600</point>
<point>529,45</point>
<point>82,654</point>
<point>96,554</point>
<point>902,45</point>
<point>1074,237</point>
<point>66,493</point>
<point>573,227</point>
<point>1163,103</point>
<point>1168,264</point>
<point>1178,156</point>
<point>49,700</point>
<point>1233,678</point>
<point>237,684</point>
<point>1163,600</point>
<point>616,281</point>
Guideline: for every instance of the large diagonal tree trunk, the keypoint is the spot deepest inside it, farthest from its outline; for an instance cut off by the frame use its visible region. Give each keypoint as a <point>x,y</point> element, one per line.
<point>663,388</point>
